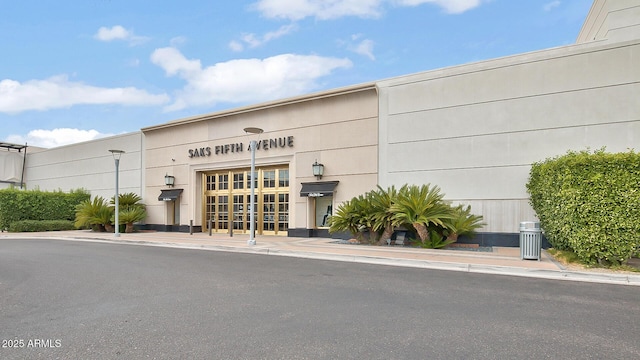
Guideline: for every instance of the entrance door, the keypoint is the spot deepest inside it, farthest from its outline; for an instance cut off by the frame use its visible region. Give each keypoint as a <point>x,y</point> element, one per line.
<point>173,212</point>
<point>239,217</point>
<point>227,199</point>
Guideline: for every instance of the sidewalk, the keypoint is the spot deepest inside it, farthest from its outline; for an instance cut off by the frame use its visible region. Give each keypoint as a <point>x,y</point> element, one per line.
<point>501,261</point>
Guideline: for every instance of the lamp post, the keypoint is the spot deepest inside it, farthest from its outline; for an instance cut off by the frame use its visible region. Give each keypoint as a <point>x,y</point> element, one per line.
<point>252,216</point>
<point>116,156</point>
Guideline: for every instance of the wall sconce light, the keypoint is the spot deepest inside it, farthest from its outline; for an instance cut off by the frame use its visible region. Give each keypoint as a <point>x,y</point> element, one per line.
<point>318,170</point>
<point>169,180</point>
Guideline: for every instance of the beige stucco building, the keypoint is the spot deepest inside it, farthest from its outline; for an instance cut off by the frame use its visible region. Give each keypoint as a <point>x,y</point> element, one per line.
<point>88,165</point>
<point>209,157</point>
<point>474,130</point>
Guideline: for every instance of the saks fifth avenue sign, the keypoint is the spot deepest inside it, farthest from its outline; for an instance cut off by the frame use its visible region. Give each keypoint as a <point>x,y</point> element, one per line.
<point>266,144</point>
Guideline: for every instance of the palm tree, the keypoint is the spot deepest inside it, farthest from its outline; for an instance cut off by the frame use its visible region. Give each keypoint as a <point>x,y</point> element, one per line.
<point>94,213</point>
<point>131,210</point>
<point>126,200</point>
<point>421,206</point>
<point>436,240</point>
<point>352,216</point>
<point>84,211</point>
<point>463,222</point>
<point>383,218</point>
<point>104,217</point>
<point>131,215</point>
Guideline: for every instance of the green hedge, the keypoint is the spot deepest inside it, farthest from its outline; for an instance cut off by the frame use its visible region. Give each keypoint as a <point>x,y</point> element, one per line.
<point>17,205</point>
<point>589,203</point>
<point>41,225</point>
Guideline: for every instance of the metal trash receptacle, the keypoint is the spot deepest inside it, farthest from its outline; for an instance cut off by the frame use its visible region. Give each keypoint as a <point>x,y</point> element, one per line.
<point>530,240</point>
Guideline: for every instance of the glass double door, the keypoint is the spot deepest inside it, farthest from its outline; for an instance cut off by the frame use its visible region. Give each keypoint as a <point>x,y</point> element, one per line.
<point>227,201</point>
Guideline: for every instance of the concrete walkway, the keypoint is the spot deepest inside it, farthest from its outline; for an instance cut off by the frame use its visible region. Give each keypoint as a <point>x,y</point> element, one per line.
<point>501,261</point>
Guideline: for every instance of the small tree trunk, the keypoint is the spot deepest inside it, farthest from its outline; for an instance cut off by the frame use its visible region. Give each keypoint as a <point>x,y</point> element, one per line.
<point>373,237</point>
<point>453,237</point>
<point>422,231</point>
<point>386,235</point>
<point>129,228</point>
<point>109,227</point>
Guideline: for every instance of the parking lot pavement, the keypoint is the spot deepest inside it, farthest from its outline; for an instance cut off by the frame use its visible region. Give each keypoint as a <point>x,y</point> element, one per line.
<point>500,260</point>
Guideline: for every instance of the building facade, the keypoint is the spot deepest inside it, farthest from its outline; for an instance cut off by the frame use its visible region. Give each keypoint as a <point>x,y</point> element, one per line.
<point>209,159</point>
<point>88,165</point>
<point>474,130</point>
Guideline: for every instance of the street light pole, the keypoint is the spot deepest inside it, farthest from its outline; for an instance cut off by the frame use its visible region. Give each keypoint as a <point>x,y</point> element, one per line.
<point>116,156</point>
<point>252,216</point>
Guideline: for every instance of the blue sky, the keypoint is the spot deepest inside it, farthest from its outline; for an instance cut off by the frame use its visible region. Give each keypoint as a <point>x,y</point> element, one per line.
<point>74,71</point>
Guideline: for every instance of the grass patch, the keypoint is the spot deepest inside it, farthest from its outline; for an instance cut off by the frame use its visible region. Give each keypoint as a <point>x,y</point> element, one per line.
<point>625,268</point>
<point>567,257</point>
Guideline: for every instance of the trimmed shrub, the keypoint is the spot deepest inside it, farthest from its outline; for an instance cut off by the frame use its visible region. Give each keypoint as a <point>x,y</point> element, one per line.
<point>17,205</point>
<point>589,203</point>
<point>41,225</point>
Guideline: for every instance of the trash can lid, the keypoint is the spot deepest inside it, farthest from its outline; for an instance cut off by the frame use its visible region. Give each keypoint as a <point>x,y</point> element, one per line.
<point>524,225</point>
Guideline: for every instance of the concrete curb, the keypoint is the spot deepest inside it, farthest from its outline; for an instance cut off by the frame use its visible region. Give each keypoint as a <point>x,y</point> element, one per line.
<point>621,279</point>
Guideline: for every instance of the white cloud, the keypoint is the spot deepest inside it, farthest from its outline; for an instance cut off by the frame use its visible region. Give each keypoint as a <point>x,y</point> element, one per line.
<point>365,47</point>
<point>283,30</point>
<point>333,9</point>
<point>58,92</point>
<point>321,9</point>
<point>236,46</point>
<point>253,41</point>
<point>244,80</point>
<point>250,39</point>
<point>55,137</point>
<point>133,63</point>
<point>358,45</point>
<point>449,6</point>
<point>551,5</point>
<point>178,40</point>
<point>172,61</point>
<point>115,33</point>
<point>118,32</point>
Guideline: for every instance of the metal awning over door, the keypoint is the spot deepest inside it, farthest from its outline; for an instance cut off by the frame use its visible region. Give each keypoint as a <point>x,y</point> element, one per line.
<point>169,195</point>
<point>318,189</point>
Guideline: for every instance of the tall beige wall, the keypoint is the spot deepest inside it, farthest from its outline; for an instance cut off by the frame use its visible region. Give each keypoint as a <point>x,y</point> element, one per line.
<point>337,128</point>
<point>88,165</point>
<point>475,130</point>
<point>612,20</point>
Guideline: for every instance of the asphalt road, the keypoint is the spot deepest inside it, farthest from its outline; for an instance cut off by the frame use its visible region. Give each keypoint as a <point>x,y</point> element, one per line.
<point>81,300</point>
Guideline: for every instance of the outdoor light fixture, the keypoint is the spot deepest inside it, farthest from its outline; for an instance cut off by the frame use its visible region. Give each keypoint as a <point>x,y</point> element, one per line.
<point>169,180</point>
<point>318,170</point>
<point>252,216</point>
<point>253,130</point>
<point>116,156</point>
